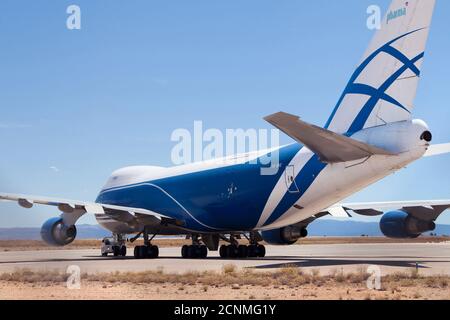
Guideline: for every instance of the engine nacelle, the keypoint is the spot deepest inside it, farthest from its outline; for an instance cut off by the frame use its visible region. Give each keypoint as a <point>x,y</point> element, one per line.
<point>401,225</point>
<point>55,233</point>
<point>284,236</point>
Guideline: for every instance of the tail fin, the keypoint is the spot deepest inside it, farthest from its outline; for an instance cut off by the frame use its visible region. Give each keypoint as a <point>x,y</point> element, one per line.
<point>384,85</point>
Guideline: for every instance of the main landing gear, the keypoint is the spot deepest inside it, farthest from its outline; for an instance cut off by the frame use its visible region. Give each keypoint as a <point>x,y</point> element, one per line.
<point>147,251</point>
<point>242,251</point>
<point>234,250</point>
<point>194,251</point>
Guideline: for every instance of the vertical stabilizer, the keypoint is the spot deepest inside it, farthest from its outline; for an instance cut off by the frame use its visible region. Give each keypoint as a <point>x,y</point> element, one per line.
<point>383,87</point>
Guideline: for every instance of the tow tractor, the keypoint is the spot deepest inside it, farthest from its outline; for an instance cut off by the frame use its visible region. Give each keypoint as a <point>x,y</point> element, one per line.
<point>114,245</point>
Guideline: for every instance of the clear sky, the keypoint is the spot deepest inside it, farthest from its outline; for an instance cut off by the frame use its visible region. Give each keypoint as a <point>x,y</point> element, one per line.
<point>76,105</point>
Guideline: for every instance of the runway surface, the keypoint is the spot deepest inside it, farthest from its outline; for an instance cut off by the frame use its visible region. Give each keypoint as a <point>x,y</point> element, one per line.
<point>432,259</point>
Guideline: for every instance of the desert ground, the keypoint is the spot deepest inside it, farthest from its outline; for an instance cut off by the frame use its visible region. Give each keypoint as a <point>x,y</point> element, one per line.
<point>23,245</point>
<point>315,269</point>
<point>289,283</point>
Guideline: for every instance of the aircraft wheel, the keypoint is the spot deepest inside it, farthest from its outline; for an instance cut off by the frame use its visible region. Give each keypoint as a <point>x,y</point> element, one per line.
<point>136,252</point>
<point>149,251</point>
<point>261,251</point>
<point>191,252</point>
<point>242,251</point>
<point>123,251</point>
<point>203,252</point>
<point>194,252</point>
<point>104,254</point>
<point>232,251</point>
<point>198,251</point>
<point>223,252</point>
<point>252,251</point>
<point>184,251</point>
<point>153,252</point>
<point>143,252</point>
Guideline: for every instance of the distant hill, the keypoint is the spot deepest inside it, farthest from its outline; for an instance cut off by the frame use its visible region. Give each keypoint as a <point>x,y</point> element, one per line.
<point>330,228</point>
<point>337,228</point>
<point>83,232</point>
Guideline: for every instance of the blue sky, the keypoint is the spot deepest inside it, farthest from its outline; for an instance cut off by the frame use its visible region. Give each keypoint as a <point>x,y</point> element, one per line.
<point>76,105</point>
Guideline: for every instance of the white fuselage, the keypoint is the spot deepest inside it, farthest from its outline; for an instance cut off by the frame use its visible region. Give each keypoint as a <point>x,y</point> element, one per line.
<point>292,200</point>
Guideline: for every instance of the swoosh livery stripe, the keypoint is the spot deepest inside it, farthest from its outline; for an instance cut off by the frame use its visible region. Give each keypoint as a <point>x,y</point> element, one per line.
<point>359,88</point>
<point>365,112</point>
<point>353,88</point>
<point>279,190</point>
<point>166,193</point>
<point>304,180</point>
<point>203,198</point>
<point>314,166</point>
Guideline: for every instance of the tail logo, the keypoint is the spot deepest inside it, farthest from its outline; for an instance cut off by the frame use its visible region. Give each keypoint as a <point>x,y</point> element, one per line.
<point>392,15</point>
<point>380,93</point>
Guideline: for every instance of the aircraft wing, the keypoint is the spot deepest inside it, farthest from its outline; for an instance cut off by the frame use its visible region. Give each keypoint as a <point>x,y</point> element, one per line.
<point>427,210</point>
<point>73,209</point>
<point>329,146</point>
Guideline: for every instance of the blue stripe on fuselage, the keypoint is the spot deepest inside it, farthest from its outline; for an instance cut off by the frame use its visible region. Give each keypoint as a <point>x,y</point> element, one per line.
<point>228,198</point>
<point>303,180</point>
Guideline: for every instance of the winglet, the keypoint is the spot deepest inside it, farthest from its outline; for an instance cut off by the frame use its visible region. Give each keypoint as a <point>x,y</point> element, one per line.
<point>329,146</point>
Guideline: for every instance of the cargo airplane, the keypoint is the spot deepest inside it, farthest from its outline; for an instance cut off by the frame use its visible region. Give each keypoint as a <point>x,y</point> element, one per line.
<point>369,135</point>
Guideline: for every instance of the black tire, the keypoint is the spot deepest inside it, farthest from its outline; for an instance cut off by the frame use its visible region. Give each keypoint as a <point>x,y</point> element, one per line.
<point>116,251</point>
<point>149,250</point>
<point>152,252</point>
<point>223,252</point>
<point>252,251</point>
<point>136,252</point>
<point>242,251</point>
<point>198,252</point>
<point>123,251</point>
<point>232,251</point>
<point>155,252</point>
<point>143,252</point>
<point>195,251</point>
<point>261,251</point>
<point>191,252</point>
<point>203,252</point>
<point>184,251</point>
<point>104,254</point>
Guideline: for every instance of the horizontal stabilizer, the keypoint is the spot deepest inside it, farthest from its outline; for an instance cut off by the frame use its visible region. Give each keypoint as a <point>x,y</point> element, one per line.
<point>437,149</point>
<point>329,146</point>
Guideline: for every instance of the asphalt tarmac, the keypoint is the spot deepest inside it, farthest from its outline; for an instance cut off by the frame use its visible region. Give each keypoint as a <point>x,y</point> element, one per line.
<point>431,259</point>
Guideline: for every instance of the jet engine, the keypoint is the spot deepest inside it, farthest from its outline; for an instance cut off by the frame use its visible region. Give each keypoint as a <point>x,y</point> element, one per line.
<point>401,225</point>
<point>284,236</point>
<point>55,233</point>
